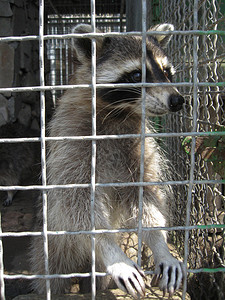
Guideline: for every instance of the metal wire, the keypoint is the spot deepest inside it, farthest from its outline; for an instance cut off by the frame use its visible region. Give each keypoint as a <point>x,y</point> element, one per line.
<point>143,91</point>
<point>43,145</point>
<point>116,184</point>
<point>93,159</point>
<point>100,231</point>
<point>193,145</point>
<point>2,282</point>
<point>199,77</point>
<point>206,202</point>
<point>102,274</point>
<point>108,34</point>
<point>118,85</point>
<point>118,136</point>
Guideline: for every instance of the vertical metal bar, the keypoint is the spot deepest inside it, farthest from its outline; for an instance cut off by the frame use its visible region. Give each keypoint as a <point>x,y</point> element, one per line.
<point>43,146</point>
<point>52,54</point>
<point>93,160</point>
<point>122,5</point>
<point>67,59</point>
<point>143,90</point>
<point>184,71</point>
<point>194,128</point>
<point>61,62</point>
<point>2,282</point>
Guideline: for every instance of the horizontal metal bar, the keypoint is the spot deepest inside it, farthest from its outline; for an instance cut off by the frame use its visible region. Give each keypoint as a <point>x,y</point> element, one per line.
<point>30,277</point>
<point>100,274</point>
<point>113,184</point>
<point>113,137</point>
<point>108,85</point>
<point>110,34</point>
<point>112,231</point>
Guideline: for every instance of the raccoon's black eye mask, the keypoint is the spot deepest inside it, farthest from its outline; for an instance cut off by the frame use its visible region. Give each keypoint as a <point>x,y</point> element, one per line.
<point>132,77</point>
<point>119,95</point>
<point>136,76</point>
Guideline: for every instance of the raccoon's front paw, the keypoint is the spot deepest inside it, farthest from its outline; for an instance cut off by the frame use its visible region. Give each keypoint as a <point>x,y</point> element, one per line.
<point>9,199</point>
<point>128,277</point>
<point>168,275</point>
<point>7,202</point>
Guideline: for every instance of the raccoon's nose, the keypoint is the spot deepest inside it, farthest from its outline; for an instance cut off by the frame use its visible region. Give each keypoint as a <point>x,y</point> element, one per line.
<point>175,102</point>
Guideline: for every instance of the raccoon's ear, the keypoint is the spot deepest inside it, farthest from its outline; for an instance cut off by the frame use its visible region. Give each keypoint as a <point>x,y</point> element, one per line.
<point>163,39</point>
<point>82,46</point>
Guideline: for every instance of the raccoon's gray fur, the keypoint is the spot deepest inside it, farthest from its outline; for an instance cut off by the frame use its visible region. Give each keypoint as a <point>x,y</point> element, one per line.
<point>118,160</point>
<point>16,159</point>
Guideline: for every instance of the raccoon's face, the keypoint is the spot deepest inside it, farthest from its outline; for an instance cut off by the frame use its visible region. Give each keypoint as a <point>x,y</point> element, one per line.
<point>119,60</point>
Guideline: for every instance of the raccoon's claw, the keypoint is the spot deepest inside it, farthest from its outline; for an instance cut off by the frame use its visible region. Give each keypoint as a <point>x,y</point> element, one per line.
<point>9,199</point>
<point>168,276</point>
<point>129,278</point>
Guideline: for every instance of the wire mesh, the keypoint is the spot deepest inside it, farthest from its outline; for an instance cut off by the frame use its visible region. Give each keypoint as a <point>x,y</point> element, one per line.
<point>206,247</point>
<point>194,139</point>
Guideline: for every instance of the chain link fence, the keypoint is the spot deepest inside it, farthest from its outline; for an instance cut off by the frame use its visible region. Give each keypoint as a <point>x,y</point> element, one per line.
<point>206,244</point>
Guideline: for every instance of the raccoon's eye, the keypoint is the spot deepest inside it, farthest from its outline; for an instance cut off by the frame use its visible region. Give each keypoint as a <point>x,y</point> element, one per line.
<point>136,76</point>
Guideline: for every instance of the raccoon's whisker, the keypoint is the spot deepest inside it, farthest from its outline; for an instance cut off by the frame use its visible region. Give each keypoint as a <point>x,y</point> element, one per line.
<point>111,105</point>
<point>121,101</point>
<point>130,113</point>
<point>135,90</point>
<point>123,104</point>
<point>178,66</point>
<point>111,112</point>
<point>117,110</point>
<point>128,116</point>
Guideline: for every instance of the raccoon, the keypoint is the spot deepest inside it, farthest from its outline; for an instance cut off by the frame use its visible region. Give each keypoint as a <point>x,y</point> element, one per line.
<point>118,160</point>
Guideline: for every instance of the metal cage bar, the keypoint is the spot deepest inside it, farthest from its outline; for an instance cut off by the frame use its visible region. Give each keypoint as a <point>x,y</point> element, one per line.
<point>193,145</point>
<point>143,91</point>
<point>2,282</point>
<point>194,83</point>
<point>43,145</point>
<point>94,149</point>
